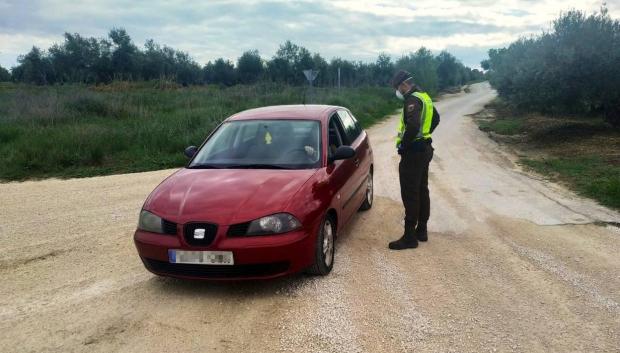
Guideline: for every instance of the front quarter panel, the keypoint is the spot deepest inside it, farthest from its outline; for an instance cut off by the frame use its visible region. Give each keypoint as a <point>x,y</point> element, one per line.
<point>312,200</point>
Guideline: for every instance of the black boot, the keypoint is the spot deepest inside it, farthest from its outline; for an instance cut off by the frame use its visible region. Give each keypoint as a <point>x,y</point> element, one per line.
<point>407,241</point>
<point>420,233</point>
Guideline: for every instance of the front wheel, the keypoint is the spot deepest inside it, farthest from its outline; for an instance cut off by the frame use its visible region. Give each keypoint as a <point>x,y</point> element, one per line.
<point>369,194</point>
<point>325,248</point>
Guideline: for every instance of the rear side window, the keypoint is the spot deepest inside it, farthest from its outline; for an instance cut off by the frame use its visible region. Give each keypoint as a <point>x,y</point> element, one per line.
<point>351,127</point>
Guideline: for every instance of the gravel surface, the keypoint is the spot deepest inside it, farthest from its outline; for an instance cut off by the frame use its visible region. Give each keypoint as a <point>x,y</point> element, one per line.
<point>514,264</point>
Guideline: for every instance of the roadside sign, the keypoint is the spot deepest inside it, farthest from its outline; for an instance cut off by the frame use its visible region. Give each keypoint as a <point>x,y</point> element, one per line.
<point>311,75</point>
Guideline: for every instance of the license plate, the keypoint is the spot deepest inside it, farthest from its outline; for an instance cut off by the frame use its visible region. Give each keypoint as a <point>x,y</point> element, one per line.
<point>201,257</point>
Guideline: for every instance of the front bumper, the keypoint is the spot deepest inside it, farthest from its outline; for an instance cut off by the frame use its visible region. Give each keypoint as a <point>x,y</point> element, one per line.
<point>258,257</point>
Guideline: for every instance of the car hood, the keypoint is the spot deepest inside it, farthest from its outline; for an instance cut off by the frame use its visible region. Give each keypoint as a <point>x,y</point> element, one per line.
<point>225,196</point>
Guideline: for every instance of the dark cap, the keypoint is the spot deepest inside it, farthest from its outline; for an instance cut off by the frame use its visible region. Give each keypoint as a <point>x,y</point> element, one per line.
<point>399,77</point>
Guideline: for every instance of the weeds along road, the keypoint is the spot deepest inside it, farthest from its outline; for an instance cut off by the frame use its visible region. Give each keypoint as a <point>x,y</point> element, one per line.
<point>514,264</point>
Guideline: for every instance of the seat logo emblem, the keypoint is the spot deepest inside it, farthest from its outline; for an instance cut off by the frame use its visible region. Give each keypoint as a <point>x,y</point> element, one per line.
<point>199,233</point>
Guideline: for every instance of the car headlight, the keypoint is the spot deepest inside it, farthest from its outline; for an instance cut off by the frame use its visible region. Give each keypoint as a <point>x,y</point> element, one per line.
<point>274,224</point>
<point>150,222</point>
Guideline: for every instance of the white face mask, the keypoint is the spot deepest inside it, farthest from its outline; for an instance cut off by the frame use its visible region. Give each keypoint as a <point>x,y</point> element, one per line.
<point>399,95</point>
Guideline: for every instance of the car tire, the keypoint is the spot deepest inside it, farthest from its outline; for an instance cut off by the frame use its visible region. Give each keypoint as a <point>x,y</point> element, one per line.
<point>367,204</point>
<point>324,249</point>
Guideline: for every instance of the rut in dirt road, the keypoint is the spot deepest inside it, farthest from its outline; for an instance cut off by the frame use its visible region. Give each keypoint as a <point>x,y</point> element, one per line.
<point>513,264</point>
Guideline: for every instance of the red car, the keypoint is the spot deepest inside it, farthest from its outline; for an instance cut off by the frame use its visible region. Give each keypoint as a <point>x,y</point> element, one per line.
<point>264,196</point>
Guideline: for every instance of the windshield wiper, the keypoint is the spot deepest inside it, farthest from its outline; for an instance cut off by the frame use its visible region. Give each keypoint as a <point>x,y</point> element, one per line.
<point>206,166</point>
<point>257,166</point>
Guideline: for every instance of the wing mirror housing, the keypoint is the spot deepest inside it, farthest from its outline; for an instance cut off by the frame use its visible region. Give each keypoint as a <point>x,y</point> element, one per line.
<point>343,152</point>
<point>190,151</point>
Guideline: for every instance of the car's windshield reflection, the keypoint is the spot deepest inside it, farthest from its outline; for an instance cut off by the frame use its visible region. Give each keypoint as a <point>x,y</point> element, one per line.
<point>262,144</point>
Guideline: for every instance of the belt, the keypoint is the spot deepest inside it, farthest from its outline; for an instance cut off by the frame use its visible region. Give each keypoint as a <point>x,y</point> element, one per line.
<point>428,141</point>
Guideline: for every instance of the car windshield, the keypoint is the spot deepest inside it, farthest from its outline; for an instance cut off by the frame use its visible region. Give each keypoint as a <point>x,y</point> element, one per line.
<point>262,144</point>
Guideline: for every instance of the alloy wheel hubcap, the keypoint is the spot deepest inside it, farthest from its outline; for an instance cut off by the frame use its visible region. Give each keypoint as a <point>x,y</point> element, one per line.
<point>328,243</point>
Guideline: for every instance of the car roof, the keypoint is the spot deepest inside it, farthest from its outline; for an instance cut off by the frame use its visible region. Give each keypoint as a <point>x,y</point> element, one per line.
<point>299,111</point>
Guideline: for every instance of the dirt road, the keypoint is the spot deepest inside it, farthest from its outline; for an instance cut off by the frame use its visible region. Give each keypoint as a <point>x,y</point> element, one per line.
<point>514,264</point>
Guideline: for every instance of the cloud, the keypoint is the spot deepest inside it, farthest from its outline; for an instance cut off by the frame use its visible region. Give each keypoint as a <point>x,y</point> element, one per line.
<point>352,29</point>
<point>12,45</point>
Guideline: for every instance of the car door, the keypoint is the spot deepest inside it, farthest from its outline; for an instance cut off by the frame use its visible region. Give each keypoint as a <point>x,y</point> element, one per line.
<point>339,171</point>
<point>356,138</point>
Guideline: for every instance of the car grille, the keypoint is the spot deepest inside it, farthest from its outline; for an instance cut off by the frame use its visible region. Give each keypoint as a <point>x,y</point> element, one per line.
<point>238,230</point>
<point>169,227</point>
<point>216,271</point>
<point>210,232</point>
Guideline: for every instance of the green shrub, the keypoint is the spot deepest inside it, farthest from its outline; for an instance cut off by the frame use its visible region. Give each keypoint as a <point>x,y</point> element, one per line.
<point>75,130</point>
<point>572,69</point>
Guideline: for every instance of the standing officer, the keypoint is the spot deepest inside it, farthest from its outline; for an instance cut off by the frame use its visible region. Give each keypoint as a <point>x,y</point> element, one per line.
<point>418,120</point>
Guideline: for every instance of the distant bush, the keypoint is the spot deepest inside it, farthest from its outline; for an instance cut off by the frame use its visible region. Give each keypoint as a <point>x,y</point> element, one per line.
<point>572,69</point>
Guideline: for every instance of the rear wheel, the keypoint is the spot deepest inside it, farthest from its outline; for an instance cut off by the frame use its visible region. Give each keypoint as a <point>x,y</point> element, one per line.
<point>369,193</point>
<point>325,248</point>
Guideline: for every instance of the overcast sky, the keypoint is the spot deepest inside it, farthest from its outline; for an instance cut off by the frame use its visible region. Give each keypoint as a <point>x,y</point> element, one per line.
<point>351,29</point>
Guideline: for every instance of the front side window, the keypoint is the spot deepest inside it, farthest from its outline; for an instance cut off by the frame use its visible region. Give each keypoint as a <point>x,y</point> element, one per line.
<point>334,135</point>
<point>262,144</point>
<point>350,125</point>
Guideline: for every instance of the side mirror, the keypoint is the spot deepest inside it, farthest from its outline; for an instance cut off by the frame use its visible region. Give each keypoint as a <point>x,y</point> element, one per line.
<point>190,151</point>
<point>343,152</point>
